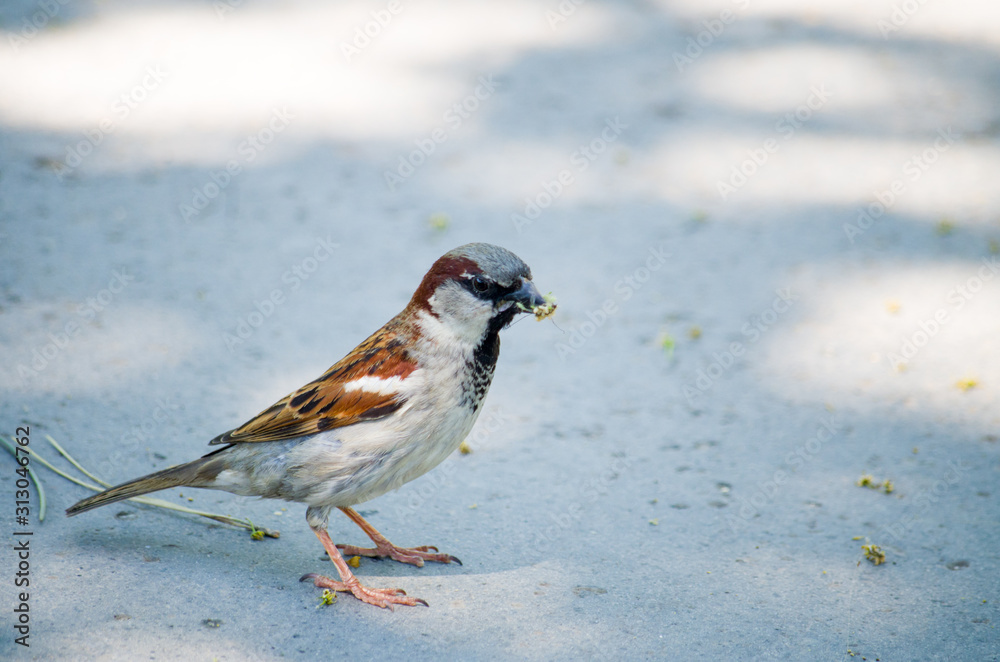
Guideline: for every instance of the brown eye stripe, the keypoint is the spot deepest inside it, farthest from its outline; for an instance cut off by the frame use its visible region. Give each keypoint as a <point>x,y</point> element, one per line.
<point>446,268</point>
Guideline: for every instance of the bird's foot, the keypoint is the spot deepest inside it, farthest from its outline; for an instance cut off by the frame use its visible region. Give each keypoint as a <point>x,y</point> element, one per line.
<point>412,555</point>
<point>380,597</point>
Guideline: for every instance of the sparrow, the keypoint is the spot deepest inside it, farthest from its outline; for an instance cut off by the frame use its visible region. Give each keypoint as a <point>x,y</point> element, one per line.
<point>391,410</point>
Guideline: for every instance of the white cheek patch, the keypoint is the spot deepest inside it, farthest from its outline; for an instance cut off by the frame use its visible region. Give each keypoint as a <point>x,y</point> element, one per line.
<point>379,385</point>
<point>456,318</point>
<point>461,337</point>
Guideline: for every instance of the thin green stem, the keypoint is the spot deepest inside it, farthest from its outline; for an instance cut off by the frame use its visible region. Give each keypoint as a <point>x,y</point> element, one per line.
<point>76,464</point>
<point>34,477</point>
<point>47,465</point>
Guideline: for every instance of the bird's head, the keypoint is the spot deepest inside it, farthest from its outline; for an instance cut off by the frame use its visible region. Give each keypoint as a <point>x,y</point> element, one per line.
<point>472,292</point>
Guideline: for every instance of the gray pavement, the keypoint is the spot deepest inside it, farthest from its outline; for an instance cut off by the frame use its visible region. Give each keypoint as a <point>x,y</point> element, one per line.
<point>772,230</point>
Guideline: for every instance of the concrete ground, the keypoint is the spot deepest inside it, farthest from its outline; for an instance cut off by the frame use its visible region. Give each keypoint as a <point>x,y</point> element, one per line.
<point>772,228</point>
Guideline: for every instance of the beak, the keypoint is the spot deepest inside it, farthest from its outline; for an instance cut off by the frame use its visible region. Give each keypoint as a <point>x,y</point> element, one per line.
<point>527,295</point>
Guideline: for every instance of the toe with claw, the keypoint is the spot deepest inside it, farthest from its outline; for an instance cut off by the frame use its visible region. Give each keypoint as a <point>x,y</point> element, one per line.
<point>412,555</point>
<point>380,597</point>
<point>385,549</point>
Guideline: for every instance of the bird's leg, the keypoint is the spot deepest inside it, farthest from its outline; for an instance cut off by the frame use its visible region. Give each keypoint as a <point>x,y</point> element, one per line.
<point>383,548</point>
<point>380,597</point>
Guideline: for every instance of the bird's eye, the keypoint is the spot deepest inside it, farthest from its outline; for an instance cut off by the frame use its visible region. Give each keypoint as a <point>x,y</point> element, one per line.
<point>480,284</point>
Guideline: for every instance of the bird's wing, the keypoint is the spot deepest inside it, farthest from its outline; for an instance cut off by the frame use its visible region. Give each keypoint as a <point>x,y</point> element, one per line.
<point>363,386</point>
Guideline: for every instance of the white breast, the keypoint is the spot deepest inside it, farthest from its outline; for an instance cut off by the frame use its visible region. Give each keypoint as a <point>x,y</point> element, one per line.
<point>374,457</point>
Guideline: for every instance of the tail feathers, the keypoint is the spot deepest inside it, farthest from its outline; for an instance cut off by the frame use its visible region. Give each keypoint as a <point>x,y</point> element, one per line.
<point>196,474</point>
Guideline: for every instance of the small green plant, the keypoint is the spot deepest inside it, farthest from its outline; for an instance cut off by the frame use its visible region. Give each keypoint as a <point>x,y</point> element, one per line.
<point>874,554</point>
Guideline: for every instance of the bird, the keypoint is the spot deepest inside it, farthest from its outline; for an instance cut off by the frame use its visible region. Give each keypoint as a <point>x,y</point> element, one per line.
<point>392,409</point>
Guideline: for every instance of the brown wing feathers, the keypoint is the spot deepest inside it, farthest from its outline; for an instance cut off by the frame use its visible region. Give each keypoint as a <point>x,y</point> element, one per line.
<point>325,403</point>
